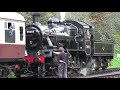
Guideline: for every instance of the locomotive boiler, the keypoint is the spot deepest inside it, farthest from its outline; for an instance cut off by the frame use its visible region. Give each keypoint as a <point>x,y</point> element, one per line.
<point>78,38</point>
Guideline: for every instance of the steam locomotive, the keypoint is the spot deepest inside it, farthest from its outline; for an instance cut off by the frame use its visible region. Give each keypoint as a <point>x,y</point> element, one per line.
<point>41,43</point>
<point>79,39</point>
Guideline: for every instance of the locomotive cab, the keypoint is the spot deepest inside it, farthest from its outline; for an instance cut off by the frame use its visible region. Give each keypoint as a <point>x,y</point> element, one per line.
<point>82,33</point>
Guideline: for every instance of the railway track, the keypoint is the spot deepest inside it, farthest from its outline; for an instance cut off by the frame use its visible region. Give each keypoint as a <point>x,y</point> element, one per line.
<point>108,73</point>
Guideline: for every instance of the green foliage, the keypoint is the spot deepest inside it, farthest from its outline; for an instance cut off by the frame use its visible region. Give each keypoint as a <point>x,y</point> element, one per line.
<point>78,16</point>
<point>107,23</point>
<point>11,75</point>
<point>28,17</point>
<point>115,63</point>
<point>43,17</point>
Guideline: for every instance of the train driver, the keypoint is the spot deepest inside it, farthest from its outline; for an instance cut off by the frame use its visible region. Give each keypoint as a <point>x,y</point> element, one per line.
<point>53,22</point>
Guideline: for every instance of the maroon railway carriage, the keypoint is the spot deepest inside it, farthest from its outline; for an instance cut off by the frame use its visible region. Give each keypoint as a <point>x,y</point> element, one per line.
<point>12,45</point>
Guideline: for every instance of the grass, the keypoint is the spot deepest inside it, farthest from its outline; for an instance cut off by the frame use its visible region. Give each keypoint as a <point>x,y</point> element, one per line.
<point>11,75</point>
<point>115,63</point>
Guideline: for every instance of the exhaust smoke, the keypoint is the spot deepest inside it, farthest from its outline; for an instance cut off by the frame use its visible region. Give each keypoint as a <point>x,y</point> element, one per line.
<point>62,16</point>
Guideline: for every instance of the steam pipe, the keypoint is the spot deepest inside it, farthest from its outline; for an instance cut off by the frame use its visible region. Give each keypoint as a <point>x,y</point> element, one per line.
<point>49,41</point>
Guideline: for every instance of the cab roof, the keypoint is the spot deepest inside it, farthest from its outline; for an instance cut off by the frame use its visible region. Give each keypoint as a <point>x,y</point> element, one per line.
<point>12,15</point>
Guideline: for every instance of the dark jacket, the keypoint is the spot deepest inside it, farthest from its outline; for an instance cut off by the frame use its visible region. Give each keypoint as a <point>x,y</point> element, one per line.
<point>63,56</point>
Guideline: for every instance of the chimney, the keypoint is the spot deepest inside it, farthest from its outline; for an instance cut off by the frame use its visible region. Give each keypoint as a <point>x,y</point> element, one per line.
<point>36,17</point>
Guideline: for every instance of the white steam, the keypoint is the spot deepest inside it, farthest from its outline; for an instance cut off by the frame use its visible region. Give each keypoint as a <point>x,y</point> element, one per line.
<point>62,16</point>
<point>84,71</point>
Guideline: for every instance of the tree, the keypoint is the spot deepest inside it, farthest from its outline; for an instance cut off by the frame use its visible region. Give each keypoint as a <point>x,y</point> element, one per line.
<point>27,16</point>
<point>43,17</point>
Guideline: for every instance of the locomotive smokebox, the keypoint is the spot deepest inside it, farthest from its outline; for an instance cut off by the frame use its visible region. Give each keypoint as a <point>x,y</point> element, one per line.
<point>36,17</point>
<point>33,35</point>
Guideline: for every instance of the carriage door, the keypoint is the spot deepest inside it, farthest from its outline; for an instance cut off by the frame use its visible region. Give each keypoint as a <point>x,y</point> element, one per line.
<point>87,41</point>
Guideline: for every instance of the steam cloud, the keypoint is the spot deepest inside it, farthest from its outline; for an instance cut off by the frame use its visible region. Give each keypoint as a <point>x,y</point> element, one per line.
<point>62,16</point>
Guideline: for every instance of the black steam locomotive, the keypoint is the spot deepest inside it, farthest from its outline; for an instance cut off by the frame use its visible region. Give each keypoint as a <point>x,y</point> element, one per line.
<point>78,38</point>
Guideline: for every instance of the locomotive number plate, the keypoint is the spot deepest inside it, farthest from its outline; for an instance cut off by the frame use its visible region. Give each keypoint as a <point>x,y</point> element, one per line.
<point>30,31</point>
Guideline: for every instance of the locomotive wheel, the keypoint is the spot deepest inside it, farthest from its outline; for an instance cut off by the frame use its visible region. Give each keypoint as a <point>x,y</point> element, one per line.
<point>17,71</point>
<point>92,65</point>
<point>104,64</point>
<point>4,73</point>
<point>98,64</point>
<point>41,70</point>
<point>18,75</point>
<point>76,61</point>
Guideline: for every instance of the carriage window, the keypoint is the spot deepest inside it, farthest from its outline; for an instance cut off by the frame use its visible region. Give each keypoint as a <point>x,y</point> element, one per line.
<point>9,25</point>
<point>9,33</point>
<point>13,25</point>
<point>21,33</point>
